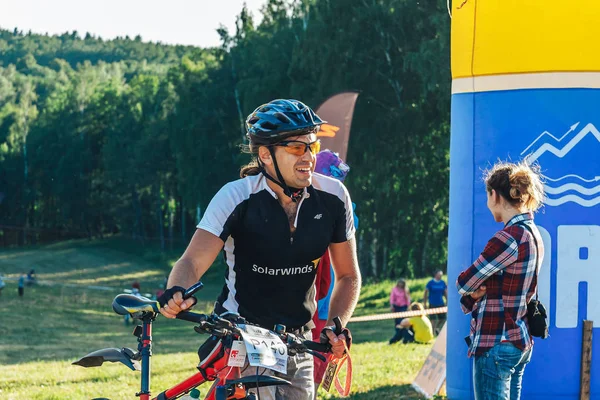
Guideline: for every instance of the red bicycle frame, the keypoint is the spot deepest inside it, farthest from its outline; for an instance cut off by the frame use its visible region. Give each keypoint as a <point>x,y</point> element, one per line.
<point>214,355</point>
<point>219,372</point>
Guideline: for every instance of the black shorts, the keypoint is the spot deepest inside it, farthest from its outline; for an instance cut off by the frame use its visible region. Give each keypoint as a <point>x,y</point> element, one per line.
<point>21,291</point>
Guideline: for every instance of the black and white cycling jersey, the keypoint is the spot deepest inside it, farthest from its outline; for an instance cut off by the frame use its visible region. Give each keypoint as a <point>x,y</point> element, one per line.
<point>270,272</point>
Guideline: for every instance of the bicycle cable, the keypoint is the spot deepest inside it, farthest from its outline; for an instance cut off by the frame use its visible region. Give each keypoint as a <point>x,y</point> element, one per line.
<point>257,386</point>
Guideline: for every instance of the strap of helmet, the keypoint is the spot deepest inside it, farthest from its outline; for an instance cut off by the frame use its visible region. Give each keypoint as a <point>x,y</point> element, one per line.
<point>295,194</point>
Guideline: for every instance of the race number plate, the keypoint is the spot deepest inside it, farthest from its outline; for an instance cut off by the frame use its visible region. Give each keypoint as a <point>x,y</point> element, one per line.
<point>237,356</point>
<point>264,348</point>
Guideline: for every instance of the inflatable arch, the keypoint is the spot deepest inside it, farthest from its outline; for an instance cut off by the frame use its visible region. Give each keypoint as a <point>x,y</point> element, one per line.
<point>526,83</point>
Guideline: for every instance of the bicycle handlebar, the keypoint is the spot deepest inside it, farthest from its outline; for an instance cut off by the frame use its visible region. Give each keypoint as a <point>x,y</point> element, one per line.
<point>338,326</point>
<point>192,316</point>
<point>214,324</point>
<point>316,346</point>
<point>192,290</point>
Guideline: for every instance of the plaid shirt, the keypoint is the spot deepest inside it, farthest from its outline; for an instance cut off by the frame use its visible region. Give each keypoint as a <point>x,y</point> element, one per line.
<point>507,269</point>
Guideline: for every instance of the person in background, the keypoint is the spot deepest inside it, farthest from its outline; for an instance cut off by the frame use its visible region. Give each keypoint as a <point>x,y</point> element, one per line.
<point>329,164</point>
<point>162,289</point>
<point>499,285</point>
<point>399,301</point>
<point>135,290</point>
<point>2,284</point>
<point>31,277</point>
<point>435,293</point>
<point>416,329</point>
<point>21,285</point>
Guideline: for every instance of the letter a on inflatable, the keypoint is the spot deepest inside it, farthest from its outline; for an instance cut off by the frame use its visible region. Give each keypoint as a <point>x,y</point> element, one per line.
<point>526,84</point>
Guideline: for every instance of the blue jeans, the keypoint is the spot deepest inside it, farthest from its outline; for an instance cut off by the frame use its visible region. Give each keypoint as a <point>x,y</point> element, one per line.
<point>497,374</point>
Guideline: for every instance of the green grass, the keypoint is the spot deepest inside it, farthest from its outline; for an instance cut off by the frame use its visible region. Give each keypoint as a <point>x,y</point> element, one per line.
<point>58,322</point>
<point>375,296</point>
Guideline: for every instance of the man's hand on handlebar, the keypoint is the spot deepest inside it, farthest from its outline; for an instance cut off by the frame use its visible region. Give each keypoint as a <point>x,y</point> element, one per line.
<point>336,342</point>
<point>337,337</point>
<point>172,302</point>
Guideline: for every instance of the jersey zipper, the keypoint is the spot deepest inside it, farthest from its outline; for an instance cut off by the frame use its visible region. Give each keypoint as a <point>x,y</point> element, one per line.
<point>305,196</point>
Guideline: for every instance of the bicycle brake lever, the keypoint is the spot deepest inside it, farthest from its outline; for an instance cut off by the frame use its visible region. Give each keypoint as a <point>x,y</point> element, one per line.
<point>222,323</point>
<point>202,328</point>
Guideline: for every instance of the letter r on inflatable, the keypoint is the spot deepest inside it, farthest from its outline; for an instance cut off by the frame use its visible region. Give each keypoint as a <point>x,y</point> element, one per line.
<point>578,261</point>
<point>526,85</point>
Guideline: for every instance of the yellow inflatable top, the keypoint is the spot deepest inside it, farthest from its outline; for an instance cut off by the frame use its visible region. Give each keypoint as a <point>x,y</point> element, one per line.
<point>494,37</point>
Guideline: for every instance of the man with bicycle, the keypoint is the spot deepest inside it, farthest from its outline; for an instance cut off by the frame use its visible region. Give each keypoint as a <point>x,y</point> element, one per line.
<point>273,225</point>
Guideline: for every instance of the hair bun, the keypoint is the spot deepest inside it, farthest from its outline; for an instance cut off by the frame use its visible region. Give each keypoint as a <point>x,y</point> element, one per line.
<point>520,184</point>
<point>520,181</point>
<point>515,193</point>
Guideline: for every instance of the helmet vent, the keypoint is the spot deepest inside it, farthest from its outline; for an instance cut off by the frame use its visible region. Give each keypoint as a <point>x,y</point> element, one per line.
<point>269,125</point>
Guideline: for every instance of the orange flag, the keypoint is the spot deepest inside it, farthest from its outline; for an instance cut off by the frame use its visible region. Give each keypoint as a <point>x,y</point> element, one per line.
<point>337,110</point>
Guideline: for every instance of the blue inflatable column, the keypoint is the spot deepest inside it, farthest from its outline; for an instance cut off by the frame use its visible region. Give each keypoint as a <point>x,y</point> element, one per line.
<point>526,84</point>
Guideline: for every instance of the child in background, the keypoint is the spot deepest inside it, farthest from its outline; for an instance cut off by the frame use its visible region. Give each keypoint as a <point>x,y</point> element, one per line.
<point>21,286</point>
<point>135,290</point>
<point>416,329</point>
<point>30,277</point>
<point>399,301</point>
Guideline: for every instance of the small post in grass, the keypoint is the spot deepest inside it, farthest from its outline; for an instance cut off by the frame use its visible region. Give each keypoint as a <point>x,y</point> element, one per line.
<point>586,361</point>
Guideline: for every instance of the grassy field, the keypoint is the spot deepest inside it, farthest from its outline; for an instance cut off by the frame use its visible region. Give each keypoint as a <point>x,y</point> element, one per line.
<point>61,319</point>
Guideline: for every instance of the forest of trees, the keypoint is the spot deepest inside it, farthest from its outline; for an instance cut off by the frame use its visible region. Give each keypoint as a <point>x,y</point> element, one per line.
<point>121,136</point>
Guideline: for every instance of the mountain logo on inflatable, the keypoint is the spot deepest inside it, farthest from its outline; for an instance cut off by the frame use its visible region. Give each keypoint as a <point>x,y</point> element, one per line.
<point>570,165</point>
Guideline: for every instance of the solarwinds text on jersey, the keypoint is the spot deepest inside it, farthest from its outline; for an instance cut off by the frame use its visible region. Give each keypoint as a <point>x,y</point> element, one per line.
<point>307,269</point>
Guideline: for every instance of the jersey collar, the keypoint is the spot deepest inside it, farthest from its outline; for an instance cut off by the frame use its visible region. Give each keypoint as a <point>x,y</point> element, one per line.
<point>266,186</point>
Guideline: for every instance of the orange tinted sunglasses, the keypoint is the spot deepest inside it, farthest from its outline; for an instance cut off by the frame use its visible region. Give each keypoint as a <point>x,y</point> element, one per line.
<point>298,148</point>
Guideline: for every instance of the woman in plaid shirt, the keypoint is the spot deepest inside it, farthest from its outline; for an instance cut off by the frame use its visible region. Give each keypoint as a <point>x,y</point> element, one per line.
<point>500,283</point>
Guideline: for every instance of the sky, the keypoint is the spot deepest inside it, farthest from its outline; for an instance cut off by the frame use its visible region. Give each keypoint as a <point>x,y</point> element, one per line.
<point>190,22</point>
